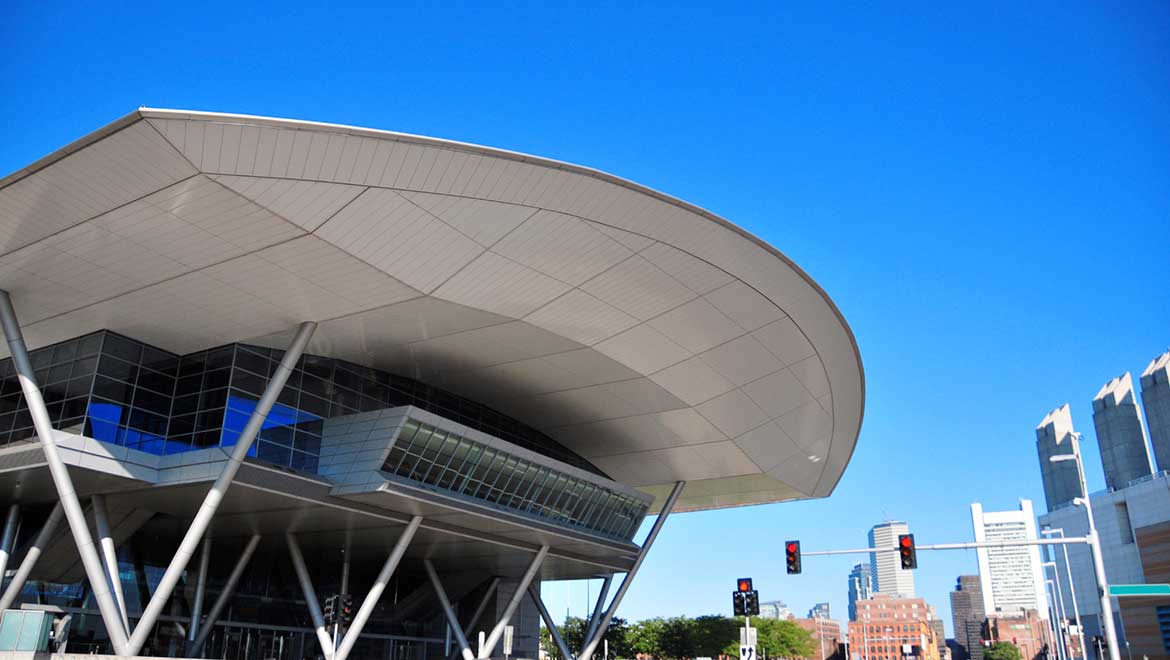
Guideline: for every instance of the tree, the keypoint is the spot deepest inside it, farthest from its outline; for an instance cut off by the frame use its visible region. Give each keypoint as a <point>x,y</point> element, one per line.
<point>645,637</point>
<point>712,634</point>
<point>1002,651</point>
<point>783,639</point>
<point>676,639</point>
<point>573,631</point>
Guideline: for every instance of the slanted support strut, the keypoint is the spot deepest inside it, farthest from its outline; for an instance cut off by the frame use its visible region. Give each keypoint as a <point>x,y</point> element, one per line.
<point>549,623</point>
<point>497,632</point>
<point>31,557</point>
<point>603,627</point>
<point>448,611</point>
<point>101,519</point>
<point>598,608</point>
<point>478,613</point>
<point>200,590</point>
<point>94,572</point>
<point>229,590</point>
<point>380,582</point>
<point>6,541</point>
<point>298,560</point>
<point>211,502</point>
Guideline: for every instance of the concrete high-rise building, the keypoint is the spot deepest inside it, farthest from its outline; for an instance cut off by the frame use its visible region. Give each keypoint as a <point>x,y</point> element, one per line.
<point>888,575</point>
<point>860,587</point>
<point>1156,402</point>
<point>967,615</point>
<point>1053,438</point>
<point>819,611</point>
<point>1120,434</point>
<point>775,609</point>
<point>1012,578</point>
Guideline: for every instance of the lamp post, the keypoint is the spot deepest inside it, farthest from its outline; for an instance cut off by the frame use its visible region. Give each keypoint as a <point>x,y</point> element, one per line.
<point>1072,589</point>
<point>1054,622</point>
<point>1094,547</point>
<point>1058,594</point>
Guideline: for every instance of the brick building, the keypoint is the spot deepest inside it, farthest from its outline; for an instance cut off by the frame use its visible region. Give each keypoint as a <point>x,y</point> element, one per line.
<point>891,628</point>
<point>1026,630</point>
<point>827,633</point>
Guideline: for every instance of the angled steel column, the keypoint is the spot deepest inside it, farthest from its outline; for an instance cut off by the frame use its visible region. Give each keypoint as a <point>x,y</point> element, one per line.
<point>498,631</point>
<point>190,542</point>
<point>598,608</point>
<point>9,537</point>
<point>94,571</point>
<point>380,582</point>
<point>549,623</point>
<point>314,606</point>
<point>479,610</point>
<point>667,507</point>
<point>448,611</point>
<point>110,555</point>
<point>31,557</point>
<point>229,589</point>
<point>200,589</point>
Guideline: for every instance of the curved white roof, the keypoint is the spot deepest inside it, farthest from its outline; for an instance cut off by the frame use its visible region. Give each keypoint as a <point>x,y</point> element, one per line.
<point>654,338</point>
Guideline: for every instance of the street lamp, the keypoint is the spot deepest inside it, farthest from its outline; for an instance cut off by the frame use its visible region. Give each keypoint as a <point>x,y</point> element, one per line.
<point>1055,619</point>
<point>1094,547</point>
<point>1072,589</point>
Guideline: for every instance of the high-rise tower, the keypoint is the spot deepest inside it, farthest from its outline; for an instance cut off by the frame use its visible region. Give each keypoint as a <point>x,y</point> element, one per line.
<point>888,575</point>
<point>1053,437</point>
<point>1011,577</point>
<point>1156,402</point>
<point>1120,434</point>
<point>860,587</point>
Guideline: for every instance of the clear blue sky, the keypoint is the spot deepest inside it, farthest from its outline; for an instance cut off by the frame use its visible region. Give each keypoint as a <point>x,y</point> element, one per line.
<point>984,191</point>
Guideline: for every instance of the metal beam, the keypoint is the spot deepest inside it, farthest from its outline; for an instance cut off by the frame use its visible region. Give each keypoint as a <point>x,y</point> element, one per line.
<point>229,589</point>
<point>380,582</point>
<point>94,571</point>
<point>595,619</point>
<point>30,558</point>
<point>311,602</point>
<point>479,610</point>
<point>445,603</point>
<point>200,591</point>
<point>110,556</point>
<point>498,631</point>
<point>549,623</point>
<point>603,627</point>
<point>215,495</point>
<point>10,523</point>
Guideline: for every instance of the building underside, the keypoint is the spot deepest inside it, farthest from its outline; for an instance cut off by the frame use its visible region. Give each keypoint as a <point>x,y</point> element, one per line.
<point>270,361</point>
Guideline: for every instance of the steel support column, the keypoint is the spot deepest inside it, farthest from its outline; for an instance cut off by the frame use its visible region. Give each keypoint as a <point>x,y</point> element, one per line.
<point>479,610</point>
<point>6,541</point>
<point>448,611</point>
<point>200,590</point>
<point>498,631</point>
<point>96,574</point>
<point>375,593</point>
<point>598,608</point>
<point>215,495</point>
<point>549,623</point>
<point>110,555</point>
<point>667,507</point>
<point>311,601</point>
<point>229,589</point>
<point>31,557</point>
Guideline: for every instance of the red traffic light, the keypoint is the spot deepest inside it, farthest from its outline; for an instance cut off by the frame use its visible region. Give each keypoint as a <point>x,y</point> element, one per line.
<point>905,541</point>
<point>744,584</point>
<point>791,547</point>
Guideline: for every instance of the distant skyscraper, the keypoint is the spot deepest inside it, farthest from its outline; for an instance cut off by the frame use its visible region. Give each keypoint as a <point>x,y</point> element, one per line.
<point>775,609</point>
<point>1120,433</point>
<point>967,615</point>
<point>1156,401</point>
<point>860,587</point>
<point>819,611</point>
<point>1011,578</point>
<point>1061,483</point>
<point>888,575</point>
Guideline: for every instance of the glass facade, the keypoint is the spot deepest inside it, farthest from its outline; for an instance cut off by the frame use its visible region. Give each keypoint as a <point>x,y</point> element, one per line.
<point>450,462</point>
<point>118,390</point>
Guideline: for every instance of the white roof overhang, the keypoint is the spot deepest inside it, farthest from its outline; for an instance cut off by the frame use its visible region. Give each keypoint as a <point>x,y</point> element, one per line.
<point>652,337</point>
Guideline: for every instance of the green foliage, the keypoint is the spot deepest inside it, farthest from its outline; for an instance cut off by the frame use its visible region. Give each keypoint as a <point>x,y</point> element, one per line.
<point>1001,651</point>
<point>680,637</point>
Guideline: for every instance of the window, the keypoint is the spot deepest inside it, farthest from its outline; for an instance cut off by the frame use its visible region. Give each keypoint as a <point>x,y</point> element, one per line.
<point>444,460</point>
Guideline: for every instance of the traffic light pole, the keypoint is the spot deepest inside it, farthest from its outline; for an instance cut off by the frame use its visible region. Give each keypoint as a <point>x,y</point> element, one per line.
<point>956,546</point>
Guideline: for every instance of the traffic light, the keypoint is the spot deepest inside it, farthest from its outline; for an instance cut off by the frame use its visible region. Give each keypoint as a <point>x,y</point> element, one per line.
<point>345,615</point>
<point>792,555</point>
<point>330,612</point>
<point>744,584</point>
<point>906,551</point>
<point>739,603</point>
<point>751,603</point>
